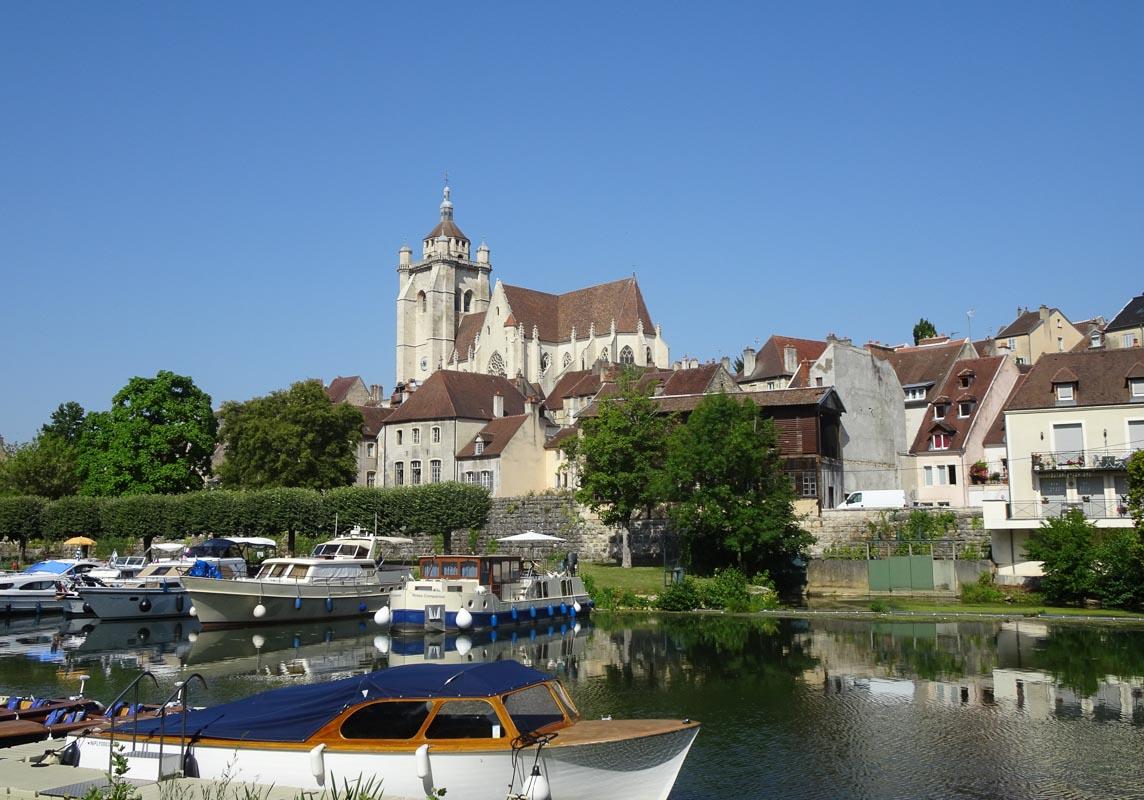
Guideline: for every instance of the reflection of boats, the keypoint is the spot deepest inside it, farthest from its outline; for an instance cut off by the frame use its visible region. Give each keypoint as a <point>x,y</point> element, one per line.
<point>465,592</point>
<point>340,579</point>
<point>469,727</point>
<point>39,588</point>
<point>157,590</point>
<point>544,646</point>
<point>99,636</point>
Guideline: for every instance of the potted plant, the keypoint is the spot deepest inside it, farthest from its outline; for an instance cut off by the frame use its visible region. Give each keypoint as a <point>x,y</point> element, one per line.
<point>979,472</point>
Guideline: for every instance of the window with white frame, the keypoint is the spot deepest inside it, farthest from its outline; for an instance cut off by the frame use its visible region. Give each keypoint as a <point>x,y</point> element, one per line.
<point>435,471</point>
<point>436,434</point>
<point>415,435</point>
<point>470,477</point>
<point>941,475</point>
<point>940,441</point>
<point>371,479</point>
<point>487,479</point>
<point>1130,340</point>
<point>1065,392</point>
<point>414,473</point>
<point>370,449</point>
<point>1135,434</point>
<point>479,446</point>
<point>1136,388</point>
<point>770,384</point>
<point>940,410</point>
<point>1060,344</point>
<point>809,484</point>
<point>399,473</point>
<point>1012,343</point>
<point>965,408</point>
<point>915,393</point>
<point>1094,339</point>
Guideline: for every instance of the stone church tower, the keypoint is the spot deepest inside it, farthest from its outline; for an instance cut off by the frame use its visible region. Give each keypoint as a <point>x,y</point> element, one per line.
<point>433,294</point>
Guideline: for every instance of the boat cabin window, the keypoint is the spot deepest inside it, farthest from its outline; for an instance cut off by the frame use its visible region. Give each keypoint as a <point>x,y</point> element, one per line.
<point>38,585</point>
<point>399,719</point>
<point>533,708</point>
<point>272,571</point>
<point>468,569</point>
<point>297,572</point>
<point>566,701</point>
<point>465,719</point>
<point>430,569</point>
<point>449,569</point>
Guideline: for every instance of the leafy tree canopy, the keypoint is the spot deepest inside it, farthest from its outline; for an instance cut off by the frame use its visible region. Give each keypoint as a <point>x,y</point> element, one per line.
<point>157,438</point>
<point>1136,489</point>
<point>46,467</point>
<point>20,519</point>
<point>924,330</point>
<point>733,502</point>
<point>1065,545</point>
<point>618,456</point>
<point>294,437</point>
<point>67,422</point>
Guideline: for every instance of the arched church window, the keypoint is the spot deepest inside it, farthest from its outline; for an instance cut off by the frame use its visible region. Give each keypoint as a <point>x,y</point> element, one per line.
<point>566,360</point>
<point>647,352</point>
<point>604,353</point>
<point>496,365</point>
<point>468,301</point>
<point>545,362</point>
<point>422,303</point>
<point>627,356</point>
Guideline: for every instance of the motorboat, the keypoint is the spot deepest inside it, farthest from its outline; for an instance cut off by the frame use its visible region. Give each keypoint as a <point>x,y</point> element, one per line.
<point>157,591</point>
<point>470,592</point>
<point>40,587</point>
<point>343,577</point>
<point>472,729</point>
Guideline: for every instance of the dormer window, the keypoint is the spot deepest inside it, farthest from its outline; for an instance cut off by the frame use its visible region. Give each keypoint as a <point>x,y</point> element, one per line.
<point>1066,392</point>
<point>1136,389</point>
<point>478,446</point>
<point>965,380</point>
<point>940,441</point>
<point>1094,339</point>
<point>915,393</point>
<point>965,408</point>
<point>940,410</point>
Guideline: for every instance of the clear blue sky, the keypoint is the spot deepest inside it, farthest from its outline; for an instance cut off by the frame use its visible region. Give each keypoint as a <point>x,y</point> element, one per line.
<point>220,189</point>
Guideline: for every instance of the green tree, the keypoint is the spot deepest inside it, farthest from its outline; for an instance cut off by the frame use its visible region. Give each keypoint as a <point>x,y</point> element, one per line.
<point>1136,489</point>
<point>157,438</point>
<point>618,456</point>
<point>20,519</point>
<point>67,422</point>
<point>733,502</point>
<point>46,467</point>
<point>1065,544</point>
<point>71,516</point>
<point>924,330</point>
<point>273,512</point>
<point>442,508</point>
<point>141,516</point>
<point>294,437</point>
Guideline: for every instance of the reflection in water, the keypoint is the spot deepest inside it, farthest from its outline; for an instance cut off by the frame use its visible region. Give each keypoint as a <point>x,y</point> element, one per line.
<point>797,708</point>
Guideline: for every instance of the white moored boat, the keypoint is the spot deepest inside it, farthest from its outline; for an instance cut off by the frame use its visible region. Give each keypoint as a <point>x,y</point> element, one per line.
<point>40,588</point>
<point>158,591</point>
<point>471,592</point>
<point>472,729</point>
<point>341,578</point>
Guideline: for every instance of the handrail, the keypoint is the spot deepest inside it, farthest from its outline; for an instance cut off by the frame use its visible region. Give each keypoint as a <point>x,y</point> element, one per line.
<point>181,692</point>
<point>111,730</point>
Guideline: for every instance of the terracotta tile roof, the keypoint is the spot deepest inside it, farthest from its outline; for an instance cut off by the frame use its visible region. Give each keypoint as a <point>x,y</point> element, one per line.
<point>496,436</point>
<point>564,388</point>
<point>339,387</point>
<point>1101,377</point>
<point>690,381</point>
<point>983,370</point>
<point>916,365</point>
<point>1131,316</point>
<point>560,437</point>
<point>555,316</point>
<point>448,394</point>
<point>1026,322</point>
<point>770,361</point>
<point>374,419</point>
<point>985,347</point>
<point>467,331</point>
<point>996,433</point>
<point>776,398</point>
<point>449,228</point>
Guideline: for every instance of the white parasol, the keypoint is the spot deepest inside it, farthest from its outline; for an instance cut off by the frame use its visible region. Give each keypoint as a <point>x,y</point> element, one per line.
<point>529,537</point>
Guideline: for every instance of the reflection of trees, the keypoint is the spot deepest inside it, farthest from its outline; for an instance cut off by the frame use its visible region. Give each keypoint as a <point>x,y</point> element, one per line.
<point>1081,658</point>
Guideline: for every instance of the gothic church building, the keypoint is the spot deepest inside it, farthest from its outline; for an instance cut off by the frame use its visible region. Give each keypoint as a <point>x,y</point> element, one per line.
<point>449,317</point>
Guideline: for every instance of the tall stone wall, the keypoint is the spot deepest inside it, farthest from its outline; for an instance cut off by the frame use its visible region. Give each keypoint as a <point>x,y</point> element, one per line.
<point>854,526</point>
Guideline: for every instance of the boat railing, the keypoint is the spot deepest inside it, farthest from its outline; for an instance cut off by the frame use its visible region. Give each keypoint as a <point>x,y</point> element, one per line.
<point>181,693</point>
<point>134,685</point>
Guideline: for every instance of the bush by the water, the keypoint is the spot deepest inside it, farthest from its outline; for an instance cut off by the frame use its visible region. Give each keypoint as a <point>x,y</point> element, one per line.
<point>682,596</point>
<point>1082,561</point>
<point>984,591</point>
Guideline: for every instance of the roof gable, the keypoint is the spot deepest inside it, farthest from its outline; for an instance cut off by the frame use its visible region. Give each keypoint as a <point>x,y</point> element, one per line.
<point>770,362</point>
<point>448,394</point>
<point>1131,316</point>
<point>1101,378</point>
<point>555,316</point>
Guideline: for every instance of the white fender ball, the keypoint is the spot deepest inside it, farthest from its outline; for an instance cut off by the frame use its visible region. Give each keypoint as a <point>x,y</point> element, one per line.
<point>383,616</point>
<point>464,618</point>
<point>464,645</point>
<point>258,640</point>
<point>381,644</point>
<point>194,612</point>
<point>259,611</point>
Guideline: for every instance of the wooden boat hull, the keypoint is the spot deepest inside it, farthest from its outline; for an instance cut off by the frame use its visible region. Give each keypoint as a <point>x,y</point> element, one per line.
<point>635,760</point>
<point>234,602</point>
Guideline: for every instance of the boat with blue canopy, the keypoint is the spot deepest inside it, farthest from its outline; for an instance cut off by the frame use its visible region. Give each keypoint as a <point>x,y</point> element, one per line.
<point>471,728</point>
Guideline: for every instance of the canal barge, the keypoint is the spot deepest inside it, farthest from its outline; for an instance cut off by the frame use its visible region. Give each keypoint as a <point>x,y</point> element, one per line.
<point>472,729</point>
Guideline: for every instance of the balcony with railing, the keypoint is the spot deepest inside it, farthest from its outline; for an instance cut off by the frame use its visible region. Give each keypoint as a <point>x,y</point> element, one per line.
<point>1072,460</point>
<point>1093,508</point>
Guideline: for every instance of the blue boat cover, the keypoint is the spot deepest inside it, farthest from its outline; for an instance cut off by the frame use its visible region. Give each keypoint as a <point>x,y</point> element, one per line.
<point>295,713</point>
<point>54,567</point>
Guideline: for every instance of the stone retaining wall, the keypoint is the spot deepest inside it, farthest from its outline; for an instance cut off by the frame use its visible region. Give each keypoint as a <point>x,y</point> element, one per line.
<point>853,526</point>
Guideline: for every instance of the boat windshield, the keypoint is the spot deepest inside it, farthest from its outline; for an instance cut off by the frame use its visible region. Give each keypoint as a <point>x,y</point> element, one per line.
<point>336,550</point>
<point>394,719</point>
<point>533,708</point>
<point>465,719</point>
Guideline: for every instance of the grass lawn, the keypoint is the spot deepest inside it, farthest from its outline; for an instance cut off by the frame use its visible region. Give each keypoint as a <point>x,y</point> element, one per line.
<point>954,607</point>
<point>640,580</point>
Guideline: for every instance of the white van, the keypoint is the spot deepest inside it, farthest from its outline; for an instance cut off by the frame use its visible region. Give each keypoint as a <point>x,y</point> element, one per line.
<point>875,498</point>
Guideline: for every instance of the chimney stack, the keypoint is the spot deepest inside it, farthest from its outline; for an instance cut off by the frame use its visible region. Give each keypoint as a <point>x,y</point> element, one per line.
<point>749,360</point>
<point>498,405</point>
<point>529,405</point>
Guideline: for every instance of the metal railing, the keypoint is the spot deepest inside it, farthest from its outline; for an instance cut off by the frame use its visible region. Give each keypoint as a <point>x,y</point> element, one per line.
<point>181,692</point>
<point>135,716</point>
<point>1068,460</point>
<point>1093,508</point>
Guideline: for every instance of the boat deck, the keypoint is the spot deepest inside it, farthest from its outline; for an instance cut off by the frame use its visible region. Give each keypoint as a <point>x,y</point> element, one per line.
<point>602,731</point>
<point>25,780</point>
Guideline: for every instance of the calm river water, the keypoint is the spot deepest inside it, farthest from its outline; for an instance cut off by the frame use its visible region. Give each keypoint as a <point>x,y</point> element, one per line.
<point>792,707</point>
